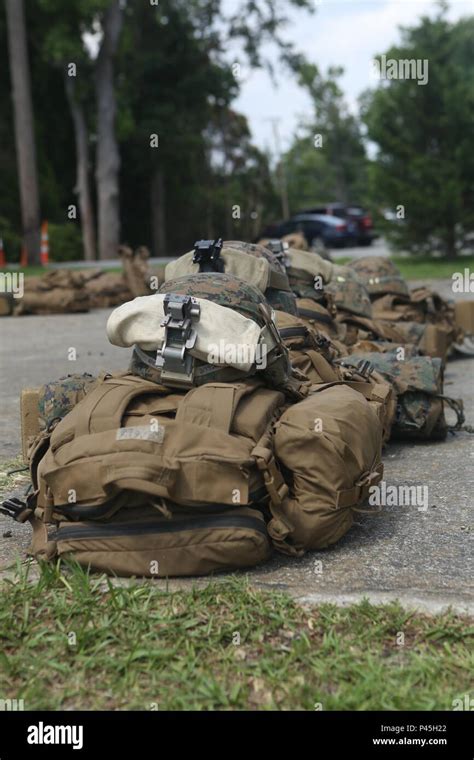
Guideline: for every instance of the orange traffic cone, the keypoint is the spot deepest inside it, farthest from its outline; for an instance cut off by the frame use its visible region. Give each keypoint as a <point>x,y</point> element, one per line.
<point>3,259</point>
<point>23,257</point>
<point>44,251</point>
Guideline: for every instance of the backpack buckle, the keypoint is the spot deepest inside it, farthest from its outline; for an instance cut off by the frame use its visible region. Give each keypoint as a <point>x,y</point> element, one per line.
<point>365,368</point>
<point>16,509</point>
<point>177,366</point>
<point>207,254</point>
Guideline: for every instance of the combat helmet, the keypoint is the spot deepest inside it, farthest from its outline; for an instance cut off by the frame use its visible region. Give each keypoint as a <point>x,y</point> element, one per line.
<point>278,293</point>
<point>380,276</point>
<point>348,292</point>
<point>249,261</point>
<point>201,328</point>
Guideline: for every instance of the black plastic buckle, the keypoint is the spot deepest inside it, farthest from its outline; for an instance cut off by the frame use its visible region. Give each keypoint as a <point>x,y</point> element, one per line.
<point>365,368</point>
<point>14,507</point>
<point>207,255</point>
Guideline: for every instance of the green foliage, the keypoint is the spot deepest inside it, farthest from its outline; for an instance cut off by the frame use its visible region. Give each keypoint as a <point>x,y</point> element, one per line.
<point>65,242</point>
<point>425,160</point>
<point>173,78</point>
<point>327,161</point>
<point>11,240</point>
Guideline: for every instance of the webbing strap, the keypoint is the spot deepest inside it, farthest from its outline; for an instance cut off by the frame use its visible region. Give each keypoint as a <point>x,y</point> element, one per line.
<point>365,388</point>
<point>278,527</point>
<point>322,366</point>
<point>360,490</point>
<point>457,405</point>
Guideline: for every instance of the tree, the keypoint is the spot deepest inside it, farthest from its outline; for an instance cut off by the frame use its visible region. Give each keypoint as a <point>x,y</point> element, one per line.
<point>24,129</point>
<point>63,49</point>
<point>83,188</point>
<point>108,158</point>
<point>327,161</point>
<point>423,132</point>
<point>179,85</point>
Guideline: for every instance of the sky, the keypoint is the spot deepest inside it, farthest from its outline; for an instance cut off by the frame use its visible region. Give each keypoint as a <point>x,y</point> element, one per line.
<point>347,33</point>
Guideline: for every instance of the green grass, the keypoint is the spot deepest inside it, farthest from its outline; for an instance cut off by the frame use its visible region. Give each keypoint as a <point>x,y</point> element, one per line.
<point>138,647</point>
<point>424,267</point>
<point>28,271</point>
<point>420,268</point>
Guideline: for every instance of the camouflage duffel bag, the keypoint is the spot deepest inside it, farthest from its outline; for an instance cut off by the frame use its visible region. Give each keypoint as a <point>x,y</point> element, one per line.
<point>418,384</point>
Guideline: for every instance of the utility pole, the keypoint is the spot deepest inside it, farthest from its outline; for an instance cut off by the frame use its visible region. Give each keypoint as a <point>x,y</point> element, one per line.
<point>285,206</point>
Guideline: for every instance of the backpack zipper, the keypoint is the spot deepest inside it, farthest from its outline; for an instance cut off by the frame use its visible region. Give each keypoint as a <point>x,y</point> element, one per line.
<point>94,513</point>
<point>194,523</point>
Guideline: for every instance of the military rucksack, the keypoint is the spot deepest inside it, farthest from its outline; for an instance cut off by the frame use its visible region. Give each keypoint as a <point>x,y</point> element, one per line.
<point>318,316</point>
<point>56,292</point>
<point>430,340</point>
<point>425,307</point>
<point>130,443</point>
<point>106,289</point>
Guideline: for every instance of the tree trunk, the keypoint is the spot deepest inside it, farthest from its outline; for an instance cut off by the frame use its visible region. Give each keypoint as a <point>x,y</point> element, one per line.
<point>24,129</point>
<point>108,158</point>
<point>158,223</point>
<point>450,239</point>
<point>83,190</point>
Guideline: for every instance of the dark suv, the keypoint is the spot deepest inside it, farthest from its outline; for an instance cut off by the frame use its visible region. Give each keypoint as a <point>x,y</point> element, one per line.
<point>358,220</point>
<point>318,229</point>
